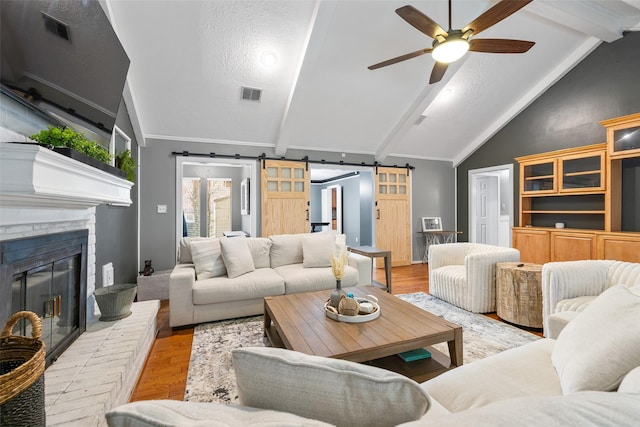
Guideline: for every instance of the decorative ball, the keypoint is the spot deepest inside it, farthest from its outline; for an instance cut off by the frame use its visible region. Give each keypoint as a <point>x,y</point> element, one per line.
<point>348,306</point>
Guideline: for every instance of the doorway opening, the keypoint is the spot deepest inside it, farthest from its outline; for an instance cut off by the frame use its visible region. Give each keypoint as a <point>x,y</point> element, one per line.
<point>491,205</point>
<point>218,201</point>
<point>206,206</point>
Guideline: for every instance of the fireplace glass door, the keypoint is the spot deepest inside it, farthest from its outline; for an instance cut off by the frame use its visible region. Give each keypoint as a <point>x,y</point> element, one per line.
<point>51,291</point>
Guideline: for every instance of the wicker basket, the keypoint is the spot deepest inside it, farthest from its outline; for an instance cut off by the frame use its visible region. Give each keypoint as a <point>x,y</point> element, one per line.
<point>22,374</point>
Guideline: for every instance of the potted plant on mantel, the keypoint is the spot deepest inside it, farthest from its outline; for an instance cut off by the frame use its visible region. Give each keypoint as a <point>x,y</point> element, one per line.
<point>75,145</point>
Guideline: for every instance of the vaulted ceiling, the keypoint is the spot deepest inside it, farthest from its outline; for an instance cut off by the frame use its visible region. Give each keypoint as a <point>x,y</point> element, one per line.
<point>189,60</point>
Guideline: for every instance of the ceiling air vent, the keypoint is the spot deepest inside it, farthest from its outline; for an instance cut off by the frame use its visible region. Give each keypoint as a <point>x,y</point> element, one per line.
<point>251,94</point>
<point>56,27</point>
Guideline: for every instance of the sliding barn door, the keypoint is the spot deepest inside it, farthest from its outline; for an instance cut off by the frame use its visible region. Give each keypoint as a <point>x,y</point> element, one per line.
<point>285,197</point>
<point>393,214</point>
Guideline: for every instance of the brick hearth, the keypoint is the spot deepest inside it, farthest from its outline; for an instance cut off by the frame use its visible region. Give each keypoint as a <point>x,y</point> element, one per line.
<point>100,369</point>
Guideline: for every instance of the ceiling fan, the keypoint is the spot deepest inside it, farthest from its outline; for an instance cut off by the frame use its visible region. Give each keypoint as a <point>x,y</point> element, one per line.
<point>451,45</point>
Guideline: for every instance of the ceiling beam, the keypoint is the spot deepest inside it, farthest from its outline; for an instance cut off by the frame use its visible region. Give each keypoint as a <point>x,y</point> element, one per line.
<point>423,100</point>
<point>283,138</point>
<point>586,16</point>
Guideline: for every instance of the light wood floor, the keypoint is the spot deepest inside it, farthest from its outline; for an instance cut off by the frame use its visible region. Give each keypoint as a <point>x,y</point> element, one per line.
<point>164,375</point>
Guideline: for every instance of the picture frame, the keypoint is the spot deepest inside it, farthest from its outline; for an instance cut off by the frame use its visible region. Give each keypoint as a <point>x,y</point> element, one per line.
<point>431,223</point>
<point>244,196</point>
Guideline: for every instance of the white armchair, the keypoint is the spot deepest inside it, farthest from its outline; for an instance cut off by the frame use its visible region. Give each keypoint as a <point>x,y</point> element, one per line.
<point>568,287</point>
<point>464,274</point>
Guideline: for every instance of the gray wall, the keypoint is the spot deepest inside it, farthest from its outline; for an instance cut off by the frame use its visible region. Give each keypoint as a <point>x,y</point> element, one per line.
<point>433,194</point>
<point>434,180</point>
<point>603,86</point>
<point>117,227</point>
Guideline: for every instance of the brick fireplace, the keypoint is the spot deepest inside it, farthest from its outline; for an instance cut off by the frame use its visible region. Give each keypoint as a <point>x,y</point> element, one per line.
<point>44,193</point>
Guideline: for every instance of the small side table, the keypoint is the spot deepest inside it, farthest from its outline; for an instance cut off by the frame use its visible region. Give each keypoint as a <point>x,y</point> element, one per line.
<point>373,252</point>
<point>519,293</point>
<point>432,237</point>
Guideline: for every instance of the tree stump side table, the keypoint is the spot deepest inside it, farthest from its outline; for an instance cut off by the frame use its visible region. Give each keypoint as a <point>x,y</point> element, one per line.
<point>519,293</point>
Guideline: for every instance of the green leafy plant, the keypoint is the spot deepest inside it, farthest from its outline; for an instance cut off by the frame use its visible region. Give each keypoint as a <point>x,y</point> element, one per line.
<point>67,137</point>
<point>125,162</point>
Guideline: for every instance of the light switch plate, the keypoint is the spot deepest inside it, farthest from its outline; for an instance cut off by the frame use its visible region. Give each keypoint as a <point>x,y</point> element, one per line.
<point>161,209</point>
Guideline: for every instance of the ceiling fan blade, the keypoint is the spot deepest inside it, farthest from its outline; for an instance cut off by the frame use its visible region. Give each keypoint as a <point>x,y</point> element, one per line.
<point>420,21</point>
<point>400,58</point>
<point>494,15</point>
<point>438,72</point>
<point>499,45</point>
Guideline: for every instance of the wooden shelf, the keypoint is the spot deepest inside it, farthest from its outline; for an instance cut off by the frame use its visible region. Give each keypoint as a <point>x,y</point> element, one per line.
<point>595,172</point>
<point>533,178</point>
<point>564,194</point>
<point>564,212</point>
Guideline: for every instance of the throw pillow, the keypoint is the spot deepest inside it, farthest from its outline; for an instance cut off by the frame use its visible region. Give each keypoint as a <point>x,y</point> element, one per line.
<point>157,413</point>
<point>237,256</point>
<point>602,344</point>
<point>335,391</point>
<point>286,249</point>
<point>260,247</point>
<point>207,258</point>
<point>317,250</point>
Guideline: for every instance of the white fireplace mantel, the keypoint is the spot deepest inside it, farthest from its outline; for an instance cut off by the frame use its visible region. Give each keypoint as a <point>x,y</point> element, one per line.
<point>35,177</point>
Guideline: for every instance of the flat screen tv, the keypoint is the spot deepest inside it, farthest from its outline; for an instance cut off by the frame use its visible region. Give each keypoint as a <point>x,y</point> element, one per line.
<point>63,59</point>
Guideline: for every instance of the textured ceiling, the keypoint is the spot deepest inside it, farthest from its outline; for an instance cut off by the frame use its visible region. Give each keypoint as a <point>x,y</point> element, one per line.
<point>190,58</point>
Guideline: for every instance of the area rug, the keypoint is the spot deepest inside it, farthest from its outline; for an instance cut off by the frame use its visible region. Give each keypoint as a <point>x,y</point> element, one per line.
<point>211,377</point>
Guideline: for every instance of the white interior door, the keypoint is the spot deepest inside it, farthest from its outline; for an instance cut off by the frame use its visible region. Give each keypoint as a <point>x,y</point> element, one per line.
<point>487,202</point>
<point>491,207</point>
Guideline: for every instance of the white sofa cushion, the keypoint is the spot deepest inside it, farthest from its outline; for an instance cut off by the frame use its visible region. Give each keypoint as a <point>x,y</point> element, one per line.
<point>299,279</point>
<point>602,344</point>
<point>259,283</point>
<point>317,249</point>
<point>557,322</point>
<point>260,248</point>
<point>286,249</point>
<point>631,382</point>
<point>158,413</point>
<point>518,372</point>
<point>207,258</point>
<point>237,256</point>
<point>585,409</point>
<point>333,390</point>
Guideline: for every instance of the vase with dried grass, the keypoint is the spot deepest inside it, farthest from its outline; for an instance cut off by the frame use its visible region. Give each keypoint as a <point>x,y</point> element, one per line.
<point>338,262</point>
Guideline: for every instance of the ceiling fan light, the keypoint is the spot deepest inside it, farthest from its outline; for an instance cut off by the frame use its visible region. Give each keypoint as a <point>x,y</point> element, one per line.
<point>450,50</point>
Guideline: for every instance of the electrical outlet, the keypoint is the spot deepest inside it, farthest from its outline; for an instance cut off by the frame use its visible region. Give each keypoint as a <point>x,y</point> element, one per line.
<point>161,209</point>
<point>107,274</point>
<point>356,240</point>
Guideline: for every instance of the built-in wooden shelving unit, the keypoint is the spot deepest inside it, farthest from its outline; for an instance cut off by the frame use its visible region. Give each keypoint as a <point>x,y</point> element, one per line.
<point>579,189</point>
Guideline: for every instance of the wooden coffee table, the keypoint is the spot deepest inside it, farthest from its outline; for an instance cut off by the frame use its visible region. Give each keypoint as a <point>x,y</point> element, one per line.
<point>297,322</point>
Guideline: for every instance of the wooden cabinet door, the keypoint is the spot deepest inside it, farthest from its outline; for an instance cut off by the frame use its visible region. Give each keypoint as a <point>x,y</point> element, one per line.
<point>572,246</point>
<point>532,244</point>
<point>619,247</point>
<point>285,197</point>
<point>393,214</point>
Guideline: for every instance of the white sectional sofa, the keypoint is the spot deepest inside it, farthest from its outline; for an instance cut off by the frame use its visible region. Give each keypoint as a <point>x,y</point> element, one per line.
<point>226,278</point>
<point>589,376</point>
